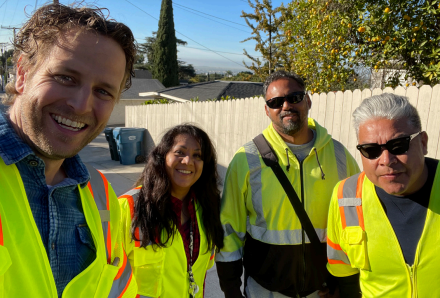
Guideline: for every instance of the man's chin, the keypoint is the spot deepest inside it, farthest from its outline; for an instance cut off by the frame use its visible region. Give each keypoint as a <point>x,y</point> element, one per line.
<point>56,154</point>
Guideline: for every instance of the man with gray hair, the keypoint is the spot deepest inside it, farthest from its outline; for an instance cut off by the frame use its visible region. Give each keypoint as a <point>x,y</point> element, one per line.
<point>383,223</point>
<point>263,232</point>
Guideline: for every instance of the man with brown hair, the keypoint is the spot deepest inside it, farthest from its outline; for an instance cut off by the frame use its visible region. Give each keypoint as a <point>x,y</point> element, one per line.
<point>59,220</point>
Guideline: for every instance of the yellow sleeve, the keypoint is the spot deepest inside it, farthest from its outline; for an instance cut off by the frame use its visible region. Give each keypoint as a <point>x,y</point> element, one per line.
<point>338,262</point>
<point>233,211</point>
<point>352,166</point>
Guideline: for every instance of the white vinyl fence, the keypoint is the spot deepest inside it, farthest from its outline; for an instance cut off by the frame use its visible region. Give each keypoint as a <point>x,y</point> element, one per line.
<point>232,123</point>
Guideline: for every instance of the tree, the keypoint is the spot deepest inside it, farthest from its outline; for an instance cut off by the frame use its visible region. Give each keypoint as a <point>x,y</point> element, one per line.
<point>264,32</point>
<point>186,72</point>
<point>339,44</point>
<point>146,49</point>
<point>165,67</point>
<point>5,57</point>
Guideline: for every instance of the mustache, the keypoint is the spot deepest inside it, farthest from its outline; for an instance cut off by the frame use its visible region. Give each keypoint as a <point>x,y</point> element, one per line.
<point>287,113</point>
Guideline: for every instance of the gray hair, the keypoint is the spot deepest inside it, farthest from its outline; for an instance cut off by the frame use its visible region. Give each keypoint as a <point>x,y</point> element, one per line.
<point>386,106</point>
<point>281,74</point>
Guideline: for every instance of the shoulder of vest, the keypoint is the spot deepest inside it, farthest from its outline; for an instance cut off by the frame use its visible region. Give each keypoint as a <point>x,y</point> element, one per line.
<point>347,196</point>
<point>132,194</point>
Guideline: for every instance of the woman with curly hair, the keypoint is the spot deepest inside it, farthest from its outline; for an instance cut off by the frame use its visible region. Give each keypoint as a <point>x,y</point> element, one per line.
<point>171,221</point>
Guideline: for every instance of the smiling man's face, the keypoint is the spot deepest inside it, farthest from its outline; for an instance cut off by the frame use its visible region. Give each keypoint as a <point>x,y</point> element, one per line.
<point>290,119</point>
<point>401,174</point>
<point>66,102</point>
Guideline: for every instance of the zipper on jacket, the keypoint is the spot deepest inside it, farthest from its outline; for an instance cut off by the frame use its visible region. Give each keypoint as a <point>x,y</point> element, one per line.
<point>411,276</point>
<point>303,244</point>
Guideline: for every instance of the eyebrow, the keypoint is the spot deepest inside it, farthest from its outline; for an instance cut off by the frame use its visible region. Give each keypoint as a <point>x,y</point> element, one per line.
<point>181,146</point>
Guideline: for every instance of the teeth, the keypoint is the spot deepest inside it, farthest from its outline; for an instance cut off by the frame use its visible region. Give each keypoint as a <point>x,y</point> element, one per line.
<point>184,172</point>
<point>68,124</point>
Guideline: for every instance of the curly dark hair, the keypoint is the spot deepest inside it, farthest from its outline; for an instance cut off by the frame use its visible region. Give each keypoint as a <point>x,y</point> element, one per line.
<point>48,24</point>
<point>153,209</point>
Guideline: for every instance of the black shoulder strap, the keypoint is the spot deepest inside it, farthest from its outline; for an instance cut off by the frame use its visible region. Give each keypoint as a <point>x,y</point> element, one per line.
<point>270,159</point>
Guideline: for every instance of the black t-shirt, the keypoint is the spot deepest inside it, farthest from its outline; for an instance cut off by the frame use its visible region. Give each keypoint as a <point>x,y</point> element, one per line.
<point>407,214</point>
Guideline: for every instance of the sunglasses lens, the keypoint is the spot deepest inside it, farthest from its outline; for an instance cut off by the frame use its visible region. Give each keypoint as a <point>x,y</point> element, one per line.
<point>296,98</point>
<point>371,151</point>
<point>398,146</point>
<point>275,103</point>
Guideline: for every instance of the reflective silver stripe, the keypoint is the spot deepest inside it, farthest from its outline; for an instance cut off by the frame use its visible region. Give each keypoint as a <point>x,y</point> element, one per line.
<point>283,236</point>
<point>349,191</point>
<point>105,215</point>
<point>351,217</point>
<point>229,230</point>
<point>335,254</point>
<point>225,256</point>
<point>119,285</point>
<point>133,192</point>
<point>341,159</point>
<point>99,195</point>
<point>346,202</point>
<point>98,188</point>
<point>253,159</point>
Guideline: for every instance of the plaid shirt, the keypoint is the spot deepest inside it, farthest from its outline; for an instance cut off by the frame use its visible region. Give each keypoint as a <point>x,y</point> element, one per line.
<point>185,228</point>
<point>57,209</point>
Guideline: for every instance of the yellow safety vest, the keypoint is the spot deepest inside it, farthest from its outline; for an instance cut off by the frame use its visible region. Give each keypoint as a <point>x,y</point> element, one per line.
<point>24,266</point>
<point>163,271</point>
<point>362,240</point>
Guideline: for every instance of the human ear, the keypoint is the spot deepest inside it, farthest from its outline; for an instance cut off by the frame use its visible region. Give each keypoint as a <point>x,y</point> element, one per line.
<point>425,142</point>
<point>21,77</point>
<point>266,109</point>
<point>309,102</point>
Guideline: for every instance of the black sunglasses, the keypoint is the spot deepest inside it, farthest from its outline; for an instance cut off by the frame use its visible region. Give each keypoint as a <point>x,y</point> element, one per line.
<point>277,102</point>
<point>395,146</point>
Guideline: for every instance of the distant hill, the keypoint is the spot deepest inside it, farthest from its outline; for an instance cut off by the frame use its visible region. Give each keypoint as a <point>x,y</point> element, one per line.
<point>212,69</point>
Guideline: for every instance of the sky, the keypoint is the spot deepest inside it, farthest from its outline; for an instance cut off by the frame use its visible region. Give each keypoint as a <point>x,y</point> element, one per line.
<point>199,22</point>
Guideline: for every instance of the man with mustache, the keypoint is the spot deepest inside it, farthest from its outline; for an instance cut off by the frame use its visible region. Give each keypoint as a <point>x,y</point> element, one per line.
<point>60,220</point>
<point>383,223</point>
<point>263,234</point>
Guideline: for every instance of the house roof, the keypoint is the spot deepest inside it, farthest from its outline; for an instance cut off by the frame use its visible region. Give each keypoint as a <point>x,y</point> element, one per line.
<point>142,74</point>
<point>141,85</point>
<point>208,90</point>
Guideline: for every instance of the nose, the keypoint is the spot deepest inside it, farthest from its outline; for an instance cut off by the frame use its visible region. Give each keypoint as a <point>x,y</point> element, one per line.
<point>386,158</point>
<point>82,100</point>
<point>187,160</point>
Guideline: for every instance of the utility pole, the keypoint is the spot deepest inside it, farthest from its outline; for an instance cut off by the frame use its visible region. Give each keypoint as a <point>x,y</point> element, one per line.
<point>11,28</point>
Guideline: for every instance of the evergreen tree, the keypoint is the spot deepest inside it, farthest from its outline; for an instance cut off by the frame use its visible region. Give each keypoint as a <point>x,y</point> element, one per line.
<point>166,68</point>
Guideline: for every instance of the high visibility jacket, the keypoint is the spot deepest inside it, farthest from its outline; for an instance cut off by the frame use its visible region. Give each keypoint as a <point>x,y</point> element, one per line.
<point>24,266</point>
<point>163,271</point>
<point>277,253</point>
<point>362,240</point>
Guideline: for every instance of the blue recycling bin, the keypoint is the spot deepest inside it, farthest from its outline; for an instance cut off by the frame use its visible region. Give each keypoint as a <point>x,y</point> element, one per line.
<point>129,144</point>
